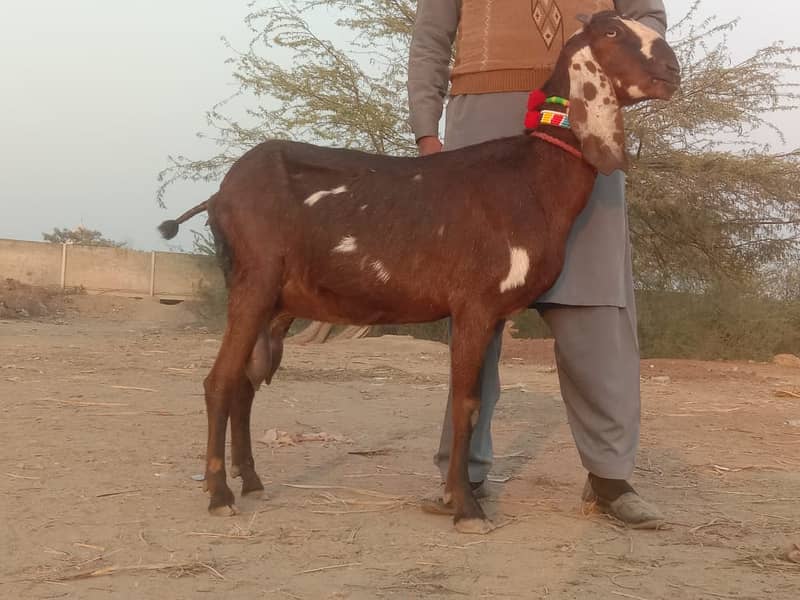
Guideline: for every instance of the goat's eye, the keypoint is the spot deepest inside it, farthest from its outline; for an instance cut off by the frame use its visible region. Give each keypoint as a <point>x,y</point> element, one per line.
<point>612,33</point>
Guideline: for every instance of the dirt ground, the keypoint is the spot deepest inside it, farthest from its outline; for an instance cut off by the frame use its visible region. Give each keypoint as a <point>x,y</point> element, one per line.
<point>103,428</point>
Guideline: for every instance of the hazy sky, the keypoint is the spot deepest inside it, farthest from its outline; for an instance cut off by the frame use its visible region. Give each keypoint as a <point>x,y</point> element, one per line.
<point>97,93</point>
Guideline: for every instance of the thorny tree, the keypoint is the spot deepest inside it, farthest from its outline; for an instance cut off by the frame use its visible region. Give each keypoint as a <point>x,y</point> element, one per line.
<point>708,204</point>
<point>80,235</point>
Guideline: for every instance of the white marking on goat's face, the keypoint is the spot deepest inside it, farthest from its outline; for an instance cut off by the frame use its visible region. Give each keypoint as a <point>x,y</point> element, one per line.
<point>518,270</point>
<point>441,231</point>
<point>317,196</point>
<point>348,244</point>
<point>380,270</point>
<point>417,178</point>
<point>646,36</point>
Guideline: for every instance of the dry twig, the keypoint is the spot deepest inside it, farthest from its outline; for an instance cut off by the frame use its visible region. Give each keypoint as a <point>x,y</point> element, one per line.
<point>133,388</point>
<point>189,567</point>
<point>328,568</point>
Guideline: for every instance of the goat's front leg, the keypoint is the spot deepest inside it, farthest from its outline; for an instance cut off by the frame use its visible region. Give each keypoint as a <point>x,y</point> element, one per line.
<point>471,335</point>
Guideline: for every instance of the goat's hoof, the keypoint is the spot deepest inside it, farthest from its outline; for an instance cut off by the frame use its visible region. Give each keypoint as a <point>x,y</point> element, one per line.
<point>222,502</point>
<point>227,510</point>
<point>475,526</point>
<point>254,494</point>
<point>251,484</point>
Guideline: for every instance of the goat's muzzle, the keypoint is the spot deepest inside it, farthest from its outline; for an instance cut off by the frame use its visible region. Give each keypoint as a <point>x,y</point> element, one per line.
<point>665,71</point>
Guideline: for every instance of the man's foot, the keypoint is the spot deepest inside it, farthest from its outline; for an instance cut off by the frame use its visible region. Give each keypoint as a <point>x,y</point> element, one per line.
<point>616,498</point>
<point>435,504</point>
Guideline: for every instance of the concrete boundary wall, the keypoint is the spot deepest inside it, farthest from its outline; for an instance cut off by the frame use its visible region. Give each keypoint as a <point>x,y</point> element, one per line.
<point>103,270</point>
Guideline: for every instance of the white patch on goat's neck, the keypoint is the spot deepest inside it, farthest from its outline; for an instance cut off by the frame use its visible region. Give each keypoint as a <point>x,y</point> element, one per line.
<point>518,270</point>
<point>348,244</point>
<point>317,196</point>
<point>417,178</point>
<point>380,270</point>
<point>646,35</point>
<point>363,207</point>
<point>590,87</point>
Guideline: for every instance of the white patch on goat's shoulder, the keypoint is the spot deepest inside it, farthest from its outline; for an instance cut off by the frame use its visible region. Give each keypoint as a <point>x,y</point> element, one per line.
<point>518,270</point>
<point>646,35</point>
<point>380,270</point>
<point>363,207</point>
<point>348,244</point>
<point>417,177</point>
<point>317,196</point>
<point>441,231</point>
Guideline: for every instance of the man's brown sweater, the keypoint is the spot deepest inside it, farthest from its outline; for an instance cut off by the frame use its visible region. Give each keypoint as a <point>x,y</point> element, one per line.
<point>501,46</point>
<point>513,45</point>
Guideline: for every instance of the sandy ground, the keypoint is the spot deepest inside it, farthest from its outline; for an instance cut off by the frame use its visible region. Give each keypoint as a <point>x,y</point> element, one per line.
<point>103,427</point>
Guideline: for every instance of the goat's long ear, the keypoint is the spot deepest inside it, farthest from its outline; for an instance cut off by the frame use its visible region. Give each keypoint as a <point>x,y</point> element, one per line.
<point>595,115</point>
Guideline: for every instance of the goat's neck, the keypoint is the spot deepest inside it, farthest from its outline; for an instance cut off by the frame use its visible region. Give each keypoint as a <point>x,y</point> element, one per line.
<point>578,175</point>
<point>559,85</point>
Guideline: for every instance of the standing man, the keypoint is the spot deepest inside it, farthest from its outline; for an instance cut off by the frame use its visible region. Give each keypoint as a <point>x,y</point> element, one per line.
<point>503,50</point>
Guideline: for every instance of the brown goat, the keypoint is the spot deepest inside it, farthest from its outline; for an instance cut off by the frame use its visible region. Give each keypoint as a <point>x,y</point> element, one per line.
<point>475,234</point>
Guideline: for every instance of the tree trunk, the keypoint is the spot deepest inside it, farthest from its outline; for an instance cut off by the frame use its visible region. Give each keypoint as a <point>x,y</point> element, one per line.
<point>319,333</point>
<point>316,333</point>
<point>353,332</point>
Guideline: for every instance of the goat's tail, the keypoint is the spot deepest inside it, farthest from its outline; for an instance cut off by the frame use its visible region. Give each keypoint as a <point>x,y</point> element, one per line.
<point>169,228</point>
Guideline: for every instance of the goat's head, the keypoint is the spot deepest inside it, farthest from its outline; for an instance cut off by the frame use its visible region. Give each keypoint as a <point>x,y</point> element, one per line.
<point>614,62</point>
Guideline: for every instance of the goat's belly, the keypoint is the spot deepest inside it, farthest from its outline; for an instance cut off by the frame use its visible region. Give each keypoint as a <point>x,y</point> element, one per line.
<point>360,305</point>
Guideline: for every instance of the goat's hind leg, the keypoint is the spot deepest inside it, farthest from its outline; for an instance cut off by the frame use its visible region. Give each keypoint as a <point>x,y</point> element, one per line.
<point>261,366</point>
<point>471,336</point>
<point>243,464</point>
<point>229,391</point>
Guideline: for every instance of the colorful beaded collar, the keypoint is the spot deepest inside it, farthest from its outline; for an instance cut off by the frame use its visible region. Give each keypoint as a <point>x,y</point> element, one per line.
<point>536,116</point>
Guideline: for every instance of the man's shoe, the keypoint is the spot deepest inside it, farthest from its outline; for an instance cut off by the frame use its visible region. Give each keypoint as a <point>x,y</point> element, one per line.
<point>628,508</point>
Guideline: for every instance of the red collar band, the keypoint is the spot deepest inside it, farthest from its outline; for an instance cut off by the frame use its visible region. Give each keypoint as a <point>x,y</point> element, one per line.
<point>536,116</point>
<point>558,143</point>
